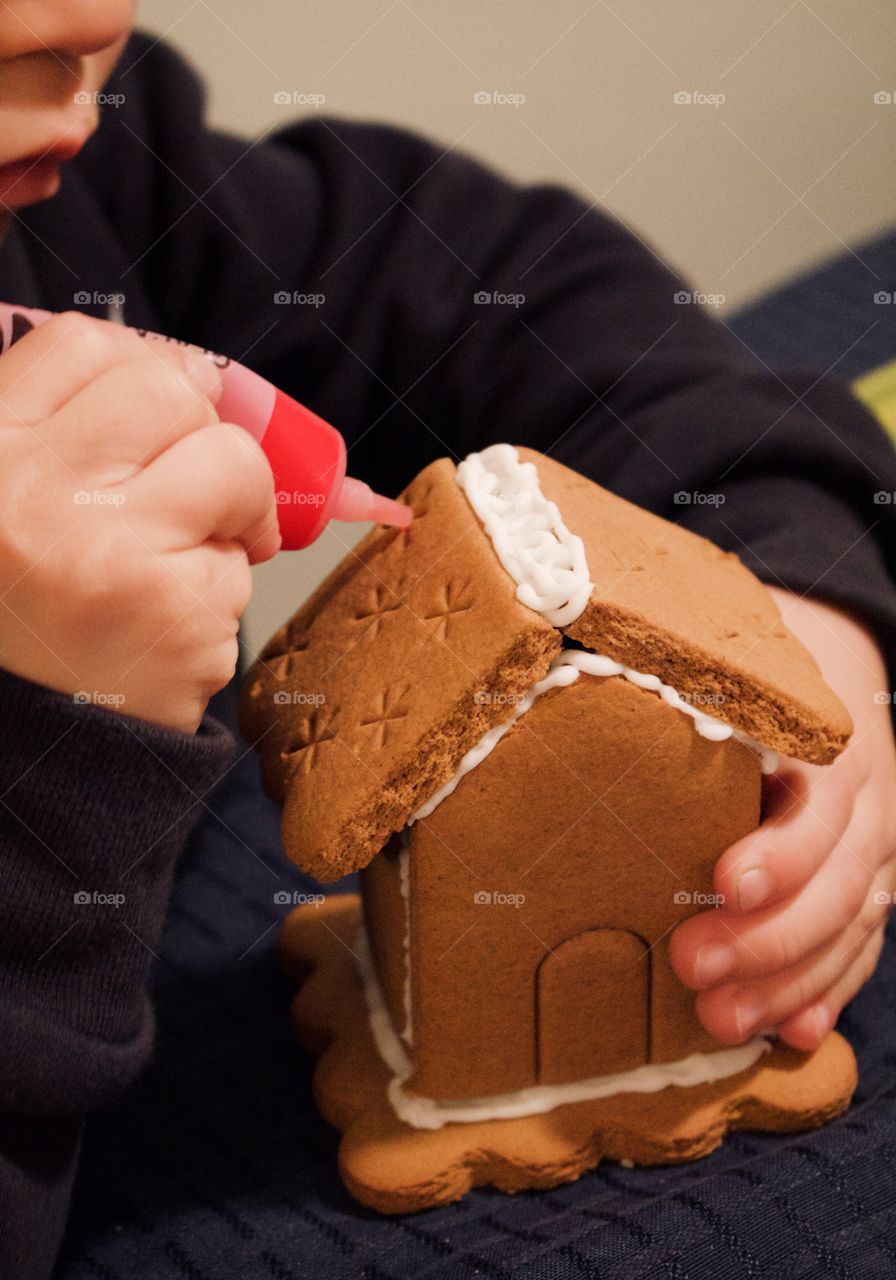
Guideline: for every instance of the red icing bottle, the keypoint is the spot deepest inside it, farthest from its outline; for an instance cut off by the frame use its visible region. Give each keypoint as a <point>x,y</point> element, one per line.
<point>306,454</point>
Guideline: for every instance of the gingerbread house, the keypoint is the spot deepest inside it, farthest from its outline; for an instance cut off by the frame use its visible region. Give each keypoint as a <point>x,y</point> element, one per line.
<point>532,721</point>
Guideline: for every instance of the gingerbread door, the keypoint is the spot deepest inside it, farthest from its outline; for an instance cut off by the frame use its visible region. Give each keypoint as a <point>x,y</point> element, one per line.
<point>592,1006</point>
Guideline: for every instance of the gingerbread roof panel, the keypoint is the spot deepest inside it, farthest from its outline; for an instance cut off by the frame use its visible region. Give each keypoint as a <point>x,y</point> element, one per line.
<point>364,702</point>
<point>669,602</point>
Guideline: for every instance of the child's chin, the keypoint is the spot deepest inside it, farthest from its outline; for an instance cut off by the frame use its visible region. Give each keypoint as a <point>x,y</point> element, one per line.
<point>25,183</point>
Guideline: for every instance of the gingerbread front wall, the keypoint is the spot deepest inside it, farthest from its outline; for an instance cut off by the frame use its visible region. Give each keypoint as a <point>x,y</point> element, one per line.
<point>543,892</point>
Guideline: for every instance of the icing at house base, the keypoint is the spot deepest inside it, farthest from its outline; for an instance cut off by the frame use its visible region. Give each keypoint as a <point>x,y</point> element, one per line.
<point>404,871</point>
<point>428,1113</point>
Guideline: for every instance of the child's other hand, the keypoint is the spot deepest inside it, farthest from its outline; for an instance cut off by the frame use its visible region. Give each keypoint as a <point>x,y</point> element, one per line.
<point>806,895</point>
<point>130,518</point>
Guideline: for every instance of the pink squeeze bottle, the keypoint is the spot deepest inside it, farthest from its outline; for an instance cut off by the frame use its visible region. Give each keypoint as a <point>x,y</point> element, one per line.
<point>306,454</point>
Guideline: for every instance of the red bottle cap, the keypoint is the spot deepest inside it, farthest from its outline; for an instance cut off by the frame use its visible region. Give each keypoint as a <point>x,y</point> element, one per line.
<point>307,457</point>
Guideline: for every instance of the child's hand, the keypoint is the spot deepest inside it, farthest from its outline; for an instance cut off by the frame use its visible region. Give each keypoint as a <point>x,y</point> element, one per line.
<point>808,894</point>
<point>130,518</point>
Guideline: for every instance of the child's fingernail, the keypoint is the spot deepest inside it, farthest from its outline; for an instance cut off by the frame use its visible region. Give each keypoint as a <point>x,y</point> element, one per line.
<point>713,962</point>
<point>753,888</point>
<point>820,1018</point>
<point>749,1011</point>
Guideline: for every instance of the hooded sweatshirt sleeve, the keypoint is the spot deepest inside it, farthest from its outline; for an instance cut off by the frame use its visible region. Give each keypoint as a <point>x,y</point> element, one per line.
<point>94,809</point>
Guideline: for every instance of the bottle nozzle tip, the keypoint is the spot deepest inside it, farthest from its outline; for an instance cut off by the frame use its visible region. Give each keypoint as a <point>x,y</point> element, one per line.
<point>357,501</point>
<point>388,511</point>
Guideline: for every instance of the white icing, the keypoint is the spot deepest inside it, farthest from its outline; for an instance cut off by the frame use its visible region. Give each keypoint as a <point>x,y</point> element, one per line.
<point>429,1113</point>
<point>566,669</point>
<point>404,871</point>
<point>545,560</point>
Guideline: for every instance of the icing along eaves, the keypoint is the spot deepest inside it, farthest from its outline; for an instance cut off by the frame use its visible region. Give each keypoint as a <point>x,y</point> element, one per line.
<point>428,1113</point>
<point>565,670</point>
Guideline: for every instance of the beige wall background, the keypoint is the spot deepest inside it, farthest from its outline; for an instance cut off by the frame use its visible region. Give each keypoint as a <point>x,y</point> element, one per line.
<point>782,157</point>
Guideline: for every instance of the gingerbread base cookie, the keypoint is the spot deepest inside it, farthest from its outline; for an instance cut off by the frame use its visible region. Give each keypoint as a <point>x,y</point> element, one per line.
<point>395,1168</point>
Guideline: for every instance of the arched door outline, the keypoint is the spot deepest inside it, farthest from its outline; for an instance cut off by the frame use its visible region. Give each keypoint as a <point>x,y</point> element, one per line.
<point>592,1006</point>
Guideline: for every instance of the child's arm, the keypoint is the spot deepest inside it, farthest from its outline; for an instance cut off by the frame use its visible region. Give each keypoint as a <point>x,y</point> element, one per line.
<point>126,603</point>
<point>807,895</point>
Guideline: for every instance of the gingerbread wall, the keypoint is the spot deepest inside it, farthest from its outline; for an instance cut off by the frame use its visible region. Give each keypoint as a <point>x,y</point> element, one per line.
<point>593,813</point>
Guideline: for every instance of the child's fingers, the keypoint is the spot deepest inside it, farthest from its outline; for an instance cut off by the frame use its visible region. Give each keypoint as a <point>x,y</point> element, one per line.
<point>212,484</point>
<point>809,812</point>
<point>807,1028</point>
<point>736,1010</point>
<point>128,415</point>
<point>717,946</point>
<point>42,371</point>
